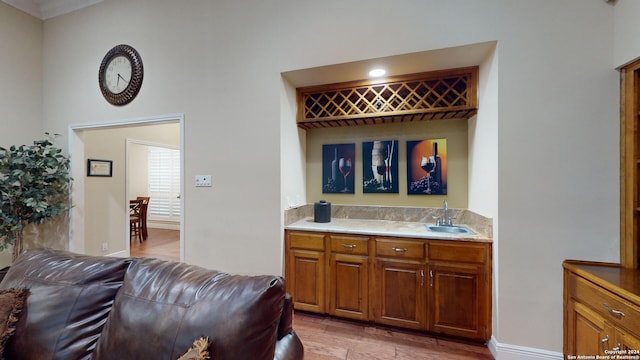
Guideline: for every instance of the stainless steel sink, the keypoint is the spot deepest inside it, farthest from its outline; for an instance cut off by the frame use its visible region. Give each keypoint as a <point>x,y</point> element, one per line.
<point>450,229</point>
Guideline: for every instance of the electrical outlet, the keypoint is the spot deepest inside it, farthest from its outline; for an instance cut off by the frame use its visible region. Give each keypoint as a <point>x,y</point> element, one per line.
<point>105,246</point>
<point>203,180</point>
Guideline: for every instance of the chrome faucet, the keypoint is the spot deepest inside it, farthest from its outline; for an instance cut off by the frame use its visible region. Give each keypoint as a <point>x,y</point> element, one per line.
<point>445,219</point>
<point>445,210</point>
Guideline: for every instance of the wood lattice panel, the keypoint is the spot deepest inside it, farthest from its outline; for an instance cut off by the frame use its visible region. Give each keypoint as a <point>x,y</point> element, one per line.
<point>434,95</point>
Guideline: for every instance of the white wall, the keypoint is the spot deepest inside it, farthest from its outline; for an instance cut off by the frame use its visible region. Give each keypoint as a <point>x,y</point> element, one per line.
<point>139,169</point>
<point>627,32</point>
<point>21,93</point>
<point>20,77</point>
<point>292,151</point>
<point>219,63</point>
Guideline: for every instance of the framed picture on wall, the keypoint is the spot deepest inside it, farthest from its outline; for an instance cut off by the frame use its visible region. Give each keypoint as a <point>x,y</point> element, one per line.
<point>338,161</point>
<point>380,166</point>
<point>427,167</point>
<point>99,167</point>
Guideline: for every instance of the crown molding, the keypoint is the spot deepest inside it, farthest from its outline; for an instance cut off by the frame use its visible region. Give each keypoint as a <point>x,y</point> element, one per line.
<point>47,9</point>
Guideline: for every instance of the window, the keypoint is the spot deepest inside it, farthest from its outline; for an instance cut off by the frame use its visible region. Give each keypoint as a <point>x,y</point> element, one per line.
<point>164,184</point>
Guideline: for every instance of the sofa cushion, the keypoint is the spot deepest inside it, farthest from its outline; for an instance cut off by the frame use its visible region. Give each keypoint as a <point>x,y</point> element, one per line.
<point>70,297</point>
<point>11,303</point>
<point>164,305</point>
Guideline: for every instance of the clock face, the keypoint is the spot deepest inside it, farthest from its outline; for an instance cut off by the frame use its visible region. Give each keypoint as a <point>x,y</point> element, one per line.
<point>118,74</point>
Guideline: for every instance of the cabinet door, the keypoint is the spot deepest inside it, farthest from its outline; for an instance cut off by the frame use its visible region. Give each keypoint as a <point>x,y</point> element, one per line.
<point>590,333</point>
<point>400,294</point>
<point>627,342</point>
<point>349,286</point>
<point>456,302</point>
<point>305,280</point>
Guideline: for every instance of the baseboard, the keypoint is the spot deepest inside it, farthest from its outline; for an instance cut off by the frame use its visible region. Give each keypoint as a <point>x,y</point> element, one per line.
<point>515,352</point>
<point>165,225</point>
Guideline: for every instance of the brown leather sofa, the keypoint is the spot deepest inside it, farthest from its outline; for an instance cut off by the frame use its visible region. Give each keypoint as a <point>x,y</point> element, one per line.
<point>92,307</point>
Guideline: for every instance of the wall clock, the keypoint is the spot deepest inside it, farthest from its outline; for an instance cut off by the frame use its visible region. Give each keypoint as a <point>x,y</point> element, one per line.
<point>120,75</point>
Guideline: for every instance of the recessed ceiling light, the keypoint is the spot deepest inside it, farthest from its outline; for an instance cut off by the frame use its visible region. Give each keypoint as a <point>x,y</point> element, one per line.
<point>377,72</point>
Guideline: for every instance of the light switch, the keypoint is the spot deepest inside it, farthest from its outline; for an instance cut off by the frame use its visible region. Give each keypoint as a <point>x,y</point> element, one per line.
<point>203,180</point>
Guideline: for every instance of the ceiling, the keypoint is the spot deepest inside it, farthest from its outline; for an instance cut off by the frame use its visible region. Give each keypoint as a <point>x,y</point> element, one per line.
<point>46,9</point>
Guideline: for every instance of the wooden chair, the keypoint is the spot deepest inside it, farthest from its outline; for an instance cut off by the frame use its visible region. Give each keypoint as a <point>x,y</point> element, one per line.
<point>144,205</point>
<point>135,228</point>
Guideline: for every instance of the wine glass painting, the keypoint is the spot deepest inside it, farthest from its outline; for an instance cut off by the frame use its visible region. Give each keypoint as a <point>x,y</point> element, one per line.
<point>338,162</point>
<point>380,166</point>
<point>427,167</point>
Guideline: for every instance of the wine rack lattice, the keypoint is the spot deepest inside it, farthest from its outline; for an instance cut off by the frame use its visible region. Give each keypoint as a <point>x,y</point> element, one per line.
<point>434,95</point>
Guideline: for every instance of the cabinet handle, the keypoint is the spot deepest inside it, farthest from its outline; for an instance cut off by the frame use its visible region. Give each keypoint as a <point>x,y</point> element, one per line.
<point>421,278</point>
<point>613,311</point>
<point>399,250</point>
<point>349,246</point>
<point>431,278</point>
<point>605,340</point>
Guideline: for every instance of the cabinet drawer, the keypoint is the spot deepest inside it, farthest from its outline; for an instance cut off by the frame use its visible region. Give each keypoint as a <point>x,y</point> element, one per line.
<point>611,306</point>
<point>305,240</point>
<point>399,248</point>
<point>459,252</point>
<point>349,244</point>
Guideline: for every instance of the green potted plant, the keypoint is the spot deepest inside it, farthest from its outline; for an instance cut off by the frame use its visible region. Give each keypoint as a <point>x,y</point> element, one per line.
<point>34,187</point>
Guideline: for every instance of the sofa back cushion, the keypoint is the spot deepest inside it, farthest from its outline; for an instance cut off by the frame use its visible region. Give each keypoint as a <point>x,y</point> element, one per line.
<point>164,306</point>
<point>69,300</point>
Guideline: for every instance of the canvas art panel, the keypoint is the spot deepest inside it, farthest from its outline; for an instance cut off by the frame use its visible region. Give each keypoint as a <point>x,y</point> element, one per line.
<point>338,161</point>
<point>380,166</point>
<point>427,167</point>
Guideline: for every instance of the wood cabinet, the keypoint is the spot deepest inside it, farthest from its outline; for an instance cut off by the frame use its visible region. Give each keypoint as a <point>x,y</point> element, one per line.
<point>630,165</point>
<point>400,295</point>
<point>349,276</point>
<point>459,298</point>
<point>305,270</point>
<point>601,309</point>
<point>441,286</point>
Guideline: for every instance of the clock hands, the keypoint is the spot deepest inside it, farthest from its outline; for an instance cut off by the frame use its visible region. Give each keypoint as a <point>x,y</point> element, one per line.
<point>120,77</point>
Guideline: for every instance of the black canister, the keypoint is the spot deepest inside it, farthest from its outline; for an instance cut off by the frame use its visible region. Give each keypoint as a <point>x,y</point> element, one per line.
<point>322,212</point>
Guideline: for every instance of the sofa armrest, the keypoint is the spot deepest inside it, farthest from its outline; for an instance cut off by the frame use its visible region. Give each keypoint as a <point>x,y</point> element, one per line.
<point>286,319</point>
<point>289,348</point>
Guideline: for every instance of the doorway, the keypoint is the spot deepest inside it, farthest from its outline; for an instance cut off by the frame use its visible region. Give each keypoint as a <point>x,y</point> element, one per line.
<point>100,213</point>
<point>154,172</point>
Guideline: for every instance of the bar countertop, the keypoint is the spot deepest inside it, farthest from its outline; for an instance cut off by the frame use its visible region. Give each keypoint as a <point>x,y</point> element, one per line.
<point>383,228</point>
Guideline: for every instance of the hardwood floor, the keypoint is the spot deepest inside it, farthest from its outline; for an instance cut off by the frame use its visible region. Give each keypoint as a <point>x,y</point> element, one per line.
<point>161,243</point>
<point>326,338</point>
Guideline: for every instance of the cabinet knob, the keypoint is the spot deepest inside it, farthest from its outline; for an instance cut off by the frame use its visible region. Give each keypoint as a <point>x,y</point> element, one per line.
<point>399,250</point>
<point>349,246</point>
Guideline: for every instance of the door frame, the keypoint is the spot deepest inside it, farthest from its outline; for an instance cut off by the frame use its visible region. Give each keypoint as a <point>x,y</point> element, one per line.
<point>76,153</point>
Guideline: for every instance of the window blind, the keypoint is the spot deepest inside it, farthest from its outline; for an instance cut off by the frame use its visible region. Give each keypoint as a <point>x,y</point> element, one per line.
<point>164,184</point>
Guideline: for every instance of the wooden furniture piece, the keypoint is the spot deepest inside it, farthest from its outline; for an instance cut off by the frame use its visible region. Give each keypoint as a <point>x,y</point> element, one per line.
<point>445,94</point>
<point>440,286</point>
<point>602,300</point>
<point>601,309</point>
<point>134,219</point>
<point>630,165</point>
<point>144,205</point>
